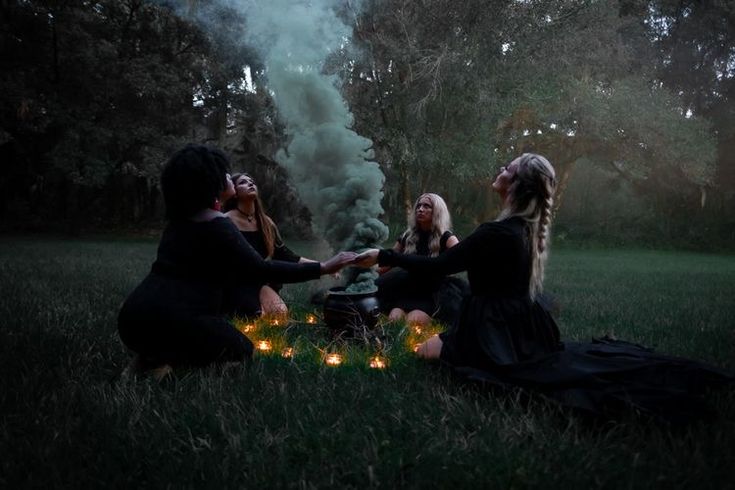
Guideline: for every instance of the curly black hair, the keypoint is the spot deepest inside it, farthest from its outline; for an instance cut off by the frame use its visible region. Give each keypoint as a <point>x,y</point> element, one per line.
<point>193,179</point>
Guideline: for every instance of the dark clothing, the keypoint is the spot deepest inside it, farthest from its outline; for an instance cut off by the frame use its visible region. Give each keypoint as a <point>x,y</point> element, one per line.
<point>505,339</point>
<point>398,288</point>
<point>177,315</point>
<point>243,298</point>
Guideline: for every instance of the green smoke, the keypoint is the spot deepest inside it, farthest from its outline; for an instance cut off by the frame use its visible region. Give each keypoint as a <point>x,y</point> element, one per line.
<point>330,164</point>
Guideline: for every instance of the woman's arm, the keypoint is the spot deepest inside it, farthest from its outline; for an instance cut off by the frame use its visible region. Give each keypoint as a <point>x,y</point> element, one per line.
<point>244,260</point>
<point>457,258</point>
<point>398,247</point>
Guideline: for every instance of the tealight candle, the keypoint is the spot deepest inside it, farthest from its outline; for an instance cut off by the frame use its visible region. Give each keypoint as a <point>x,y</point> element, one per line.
<point>333,359</point>
<point>377,362</point>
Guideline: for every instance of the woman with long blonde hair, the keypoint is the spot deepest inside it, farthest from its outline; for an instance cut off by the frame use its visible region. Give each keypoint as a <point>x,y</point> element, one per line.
<point>408,297</point>
<point>505,338</point>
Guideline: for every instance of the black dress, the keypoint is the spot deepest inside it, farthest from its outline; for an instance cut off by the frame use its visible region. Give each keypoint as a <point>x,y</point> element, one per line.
<point>398,288</point>
<point>177,314</point>
<point>505,339</point>
<point>243,298</point>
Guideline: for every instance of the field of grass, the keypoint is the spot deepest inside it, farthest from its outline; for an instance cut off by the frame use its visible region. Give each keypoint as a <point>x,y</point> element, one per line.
<point>70,421</point>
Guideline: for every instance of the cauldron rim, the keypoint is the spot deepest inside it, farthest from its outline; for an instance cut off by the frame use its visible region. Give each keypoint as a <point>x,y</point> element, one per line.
<point>341,291</point>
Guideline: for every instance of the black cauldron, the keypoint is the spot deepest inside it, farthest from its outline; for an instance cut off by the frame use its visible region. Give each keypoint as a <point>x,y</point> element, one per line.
<point>351,311</point>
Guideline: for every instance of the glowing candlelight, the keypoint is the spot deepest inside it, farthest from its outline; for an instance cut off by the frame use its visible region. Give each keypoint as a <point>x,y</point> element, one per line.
<point>264,345</point>
<point>333,359</point>
<point>311,319</point>
<point>288,352</point>
<point>377,362</point>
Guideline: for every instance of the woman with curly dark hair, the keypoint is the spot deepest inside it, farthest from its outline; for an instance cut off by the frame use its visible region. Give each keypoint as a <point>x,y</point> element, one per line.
<point>176,315</point>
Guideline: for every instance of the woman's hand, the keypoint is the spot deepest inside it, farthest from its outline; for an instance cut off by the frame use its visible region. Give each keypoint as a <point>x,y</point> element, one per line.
<point>337,262</point>
<point>367,259</point>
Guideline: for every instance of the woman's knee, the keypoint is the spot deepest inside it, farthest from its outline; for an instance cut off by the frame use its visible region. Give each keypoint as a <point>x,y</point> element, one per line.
<point>431,349</point>
<point>271,303</point>
<point>418,317</point>
<point>396,314</point>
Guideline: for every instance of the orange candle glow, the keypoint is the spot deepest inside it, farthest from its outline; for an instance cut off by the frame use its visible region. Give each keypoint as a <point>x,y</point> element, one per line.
<point>264,345</point>
<point>333,359</point>
<point>378,362</point>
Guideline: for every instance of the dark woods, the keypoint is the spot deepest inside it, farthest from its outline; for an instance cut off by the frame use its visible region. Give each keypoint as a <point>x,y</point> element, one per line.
<point>631,100</point>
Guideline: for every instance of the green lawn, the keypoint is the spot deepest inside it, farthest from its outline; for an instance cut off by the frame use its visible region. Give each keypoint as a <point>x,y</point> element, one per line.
<point>69,421</point>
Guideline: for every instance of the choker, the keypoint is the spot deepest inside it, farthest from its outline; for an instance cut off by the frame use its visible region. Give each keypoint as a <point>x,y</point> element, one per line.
<point>248,216</point>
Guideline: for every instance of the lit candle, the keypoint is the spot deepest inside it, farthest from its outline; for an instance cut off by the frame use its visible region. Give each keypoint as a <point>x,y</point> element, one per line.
<point>288,352</point>
<point>333,359</point>
<point>377,362</point>
<point>264,345</point>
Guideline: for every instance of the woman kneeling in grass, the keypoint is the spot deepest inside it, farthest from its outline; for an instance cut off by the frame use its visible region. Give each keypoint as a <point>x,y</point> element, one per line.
<point>176,315</point>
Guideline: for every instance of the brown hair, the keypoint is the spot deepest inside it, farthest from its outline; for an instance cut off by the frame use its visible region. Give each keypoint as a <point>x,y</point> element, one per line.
<point>265,224</point>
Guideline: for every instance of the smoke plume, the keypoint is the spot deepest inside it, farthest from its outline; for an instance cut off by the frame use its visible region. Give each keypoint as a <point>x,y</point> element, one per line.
<point>331,165</point>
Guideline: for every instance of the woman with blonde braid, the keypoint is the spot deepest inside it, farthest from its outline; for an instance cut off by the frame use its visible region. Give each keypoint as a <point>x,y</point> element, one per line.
<point>505,338</point>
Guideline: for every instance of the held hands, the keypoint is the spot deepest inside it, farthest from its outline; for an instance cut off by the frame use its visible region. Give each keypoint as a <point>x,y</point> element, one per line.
<point>333,265</point>
<point>367,259</point>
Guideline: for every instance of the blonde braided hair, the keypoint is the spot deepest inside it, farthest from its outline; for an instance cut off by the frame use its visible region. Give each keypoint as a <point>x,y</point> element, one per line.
<point>531,197</point>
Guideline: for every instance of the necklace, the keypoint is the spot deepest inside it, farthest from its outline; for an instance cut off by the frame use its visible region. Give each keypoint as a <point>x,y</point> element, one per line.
<point>248,216</point>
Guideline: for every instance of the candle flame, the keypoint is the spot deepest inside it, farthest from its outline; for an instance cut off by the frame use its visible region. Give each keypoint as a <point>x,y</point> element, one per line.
<point>264,345</point>
<point>333,359</point>
<point>377,362</point>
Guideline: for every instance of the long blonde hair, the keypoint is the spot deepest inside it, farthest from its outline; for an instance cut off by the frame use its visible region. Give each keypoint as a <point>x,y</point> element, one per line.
<point>531,197</point>
<point>441,221</point>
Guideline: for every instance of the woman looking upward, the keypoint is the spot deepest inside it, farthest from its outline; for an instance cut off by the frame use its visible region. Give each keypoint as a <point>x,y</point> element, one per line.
<point>246,210</point>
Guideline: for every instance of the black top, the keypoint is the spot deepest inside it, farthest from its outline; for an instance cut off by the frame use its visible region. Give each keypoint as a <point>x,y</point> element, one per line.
<point>280,250</point>
<point>422,244</point>
<point>496,257</point>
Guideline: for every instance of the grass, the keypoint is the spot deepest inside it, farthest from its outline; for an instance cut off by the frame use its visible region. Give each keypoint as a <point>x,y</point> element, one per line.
<point>68,420</point>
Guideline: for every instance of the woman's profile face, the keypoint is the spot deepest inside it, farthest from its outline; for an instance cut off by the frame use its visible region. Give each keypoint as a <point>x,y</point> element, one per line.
<point>245,186</point>
<point>424,211</point>
<point>505,177</point>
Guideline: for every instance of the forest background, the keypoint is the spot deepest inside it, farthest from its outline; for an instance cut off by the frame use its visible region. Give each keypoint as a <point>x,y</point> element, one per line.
<point>632,100</point>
